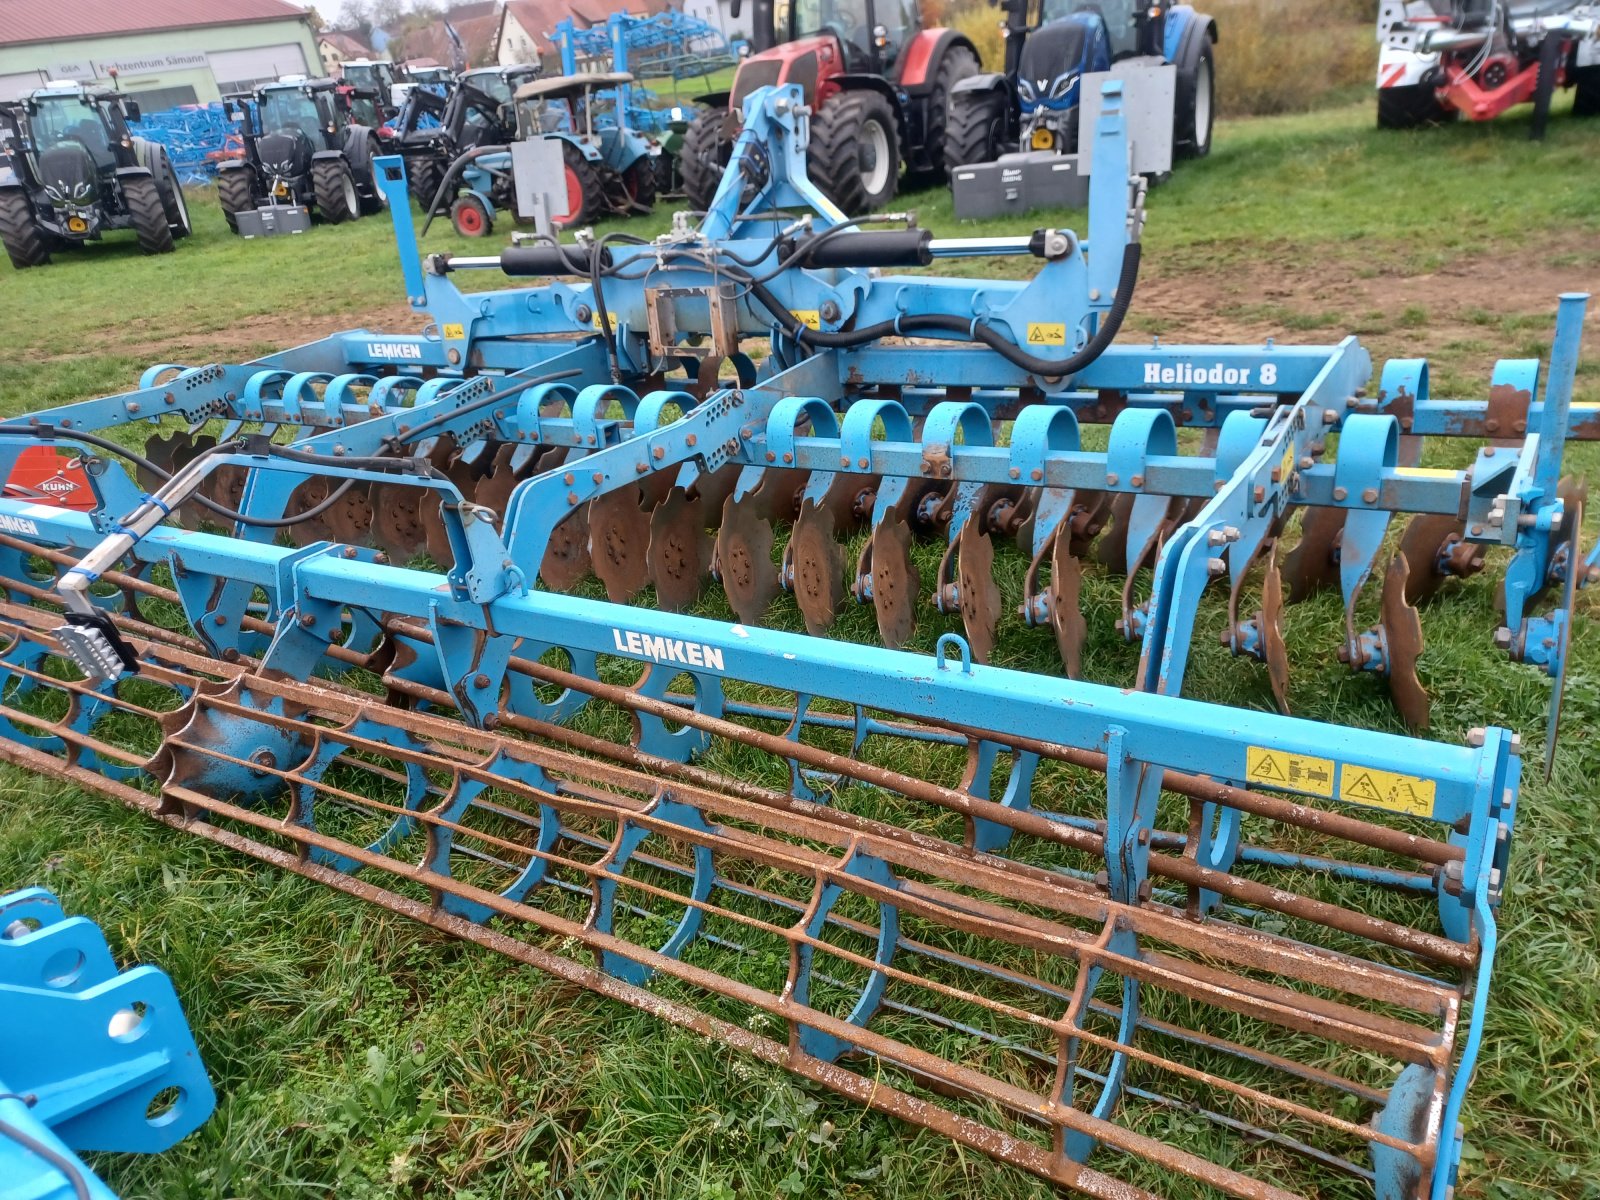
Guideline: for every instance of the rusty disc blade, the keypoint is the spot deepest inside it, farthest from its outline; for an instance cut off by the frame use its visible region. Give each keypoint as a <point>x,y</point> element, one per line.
<point>744,555</point>
<point>1066,609</point>
<point>1090,511</point>
<point>679,555</point>
<point>566,557</point>
<point>1113,548</point>
<point>434,536</point>
<point>1422,543</point>
<point>350,519</point>
<point>818,566</point>
<point>493,491</point>
<point>302,500</point>
<point>225,486</point>
<point>980,598</point>
<point>1314,562</point>
<point>1402,632</point>
<point>1269,621</point>
<point>619,543</point>
<point>162,451</point>
<point>397,520</point>
<point>896,581</point>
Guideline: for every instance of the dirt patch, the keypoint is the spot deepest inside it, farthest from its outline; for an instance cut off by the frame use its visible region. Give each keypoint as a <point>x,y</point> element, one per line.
<point>252,335</point>
<point>1472,299</point>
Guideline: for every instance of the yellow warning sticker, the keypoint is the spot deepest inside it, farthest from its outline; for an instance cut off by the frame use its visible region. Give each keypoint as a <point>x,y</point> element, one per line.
<point>1297,772</point>
<point>454,332</point>
<point>611,321</point>
<point>1386,789</point>
<point>1427,472</point>
<point>809,317</point>
<point>1046,333</point>
<point>1286,467</point>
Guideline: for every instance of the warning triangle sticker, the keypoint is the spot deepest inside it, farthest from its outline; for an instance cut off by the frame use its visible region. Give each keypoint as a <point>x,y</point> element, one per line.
<point>1362,788</point>
<point>1268,767</point>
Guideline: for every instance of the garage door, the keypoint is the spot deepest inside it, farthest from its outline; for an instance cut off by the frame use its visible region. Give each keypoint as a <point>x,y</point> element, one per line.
<point>236,70</point>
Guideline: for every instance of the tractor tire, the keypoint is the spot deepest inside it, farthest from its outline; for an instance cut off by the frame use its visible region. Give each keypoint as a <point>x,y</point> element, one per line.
<point>424,181</point>
<point>704,155</point>
<point>1545,84</point>
<point>1410,107</point>
<point>236,195</point>
<point>358,152</point>
<point>855,151</point>
<point>152,156</point>
<point>586,198</point>
<point>958,64</point>
<point>976,124</point>
<point>1586,92</point>
<point>148,215</point>
<point>27,245</point>
<point>470,217</point>
<point>334,189</point>
<point>640,182</point>
<point>1196,104</point>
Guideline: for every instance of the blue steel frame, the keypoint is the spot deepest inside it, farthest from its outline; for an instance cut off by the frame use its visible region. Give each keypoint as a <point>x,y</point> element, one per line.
<point>1272,407</point>
<point>100,1047</point>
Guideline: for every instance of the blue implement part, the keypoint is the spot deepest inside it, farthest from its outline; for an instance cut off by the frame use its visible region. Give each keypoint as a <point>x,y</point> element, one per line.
<point>906,874</point>
<point>94,1060</point>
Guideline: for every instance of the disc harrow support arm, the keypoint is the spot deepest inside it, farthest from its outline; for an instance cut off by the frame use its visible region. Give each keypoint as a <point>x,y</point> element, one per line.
<point>106,1063</point>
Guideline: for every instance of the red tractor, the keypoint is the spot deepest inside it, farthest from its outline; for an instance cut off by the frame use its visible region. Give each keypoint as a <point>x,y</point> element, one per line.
<point>877,84</point>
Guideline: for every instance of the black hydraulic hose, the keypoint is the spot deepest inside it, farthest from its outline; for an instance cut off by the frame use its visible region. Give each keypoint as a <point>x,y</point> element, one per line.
<point>913,324</point>
<point>450,175</point>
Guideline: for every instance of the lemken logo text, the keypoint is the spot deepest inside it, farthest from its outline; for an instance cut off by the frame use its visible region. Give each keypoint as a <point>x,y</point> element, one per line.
<point>690,654</point>
<point>394,350</point>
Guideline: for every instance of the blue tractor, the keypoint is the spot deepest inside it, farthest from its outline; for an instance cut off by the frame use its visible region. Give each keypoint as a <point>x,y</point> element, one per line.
<point>1050,46</point>
<point>608,169</point>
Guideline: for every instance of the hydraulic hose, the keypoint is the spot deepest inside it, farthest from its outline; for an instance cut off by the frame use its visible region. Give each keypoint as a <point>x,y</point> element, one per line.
<point>928,323</point>
<point>451,175</point>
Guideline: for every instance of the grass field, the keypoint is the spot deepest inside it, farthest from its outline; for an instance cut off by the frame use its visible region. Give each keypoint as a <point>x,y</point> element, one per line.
<point>357,1055</point>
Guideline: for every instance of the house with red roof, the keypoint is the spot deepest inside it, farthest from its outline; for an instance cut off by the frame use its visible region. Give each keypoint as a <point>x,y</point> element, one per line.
<point>163,52</point>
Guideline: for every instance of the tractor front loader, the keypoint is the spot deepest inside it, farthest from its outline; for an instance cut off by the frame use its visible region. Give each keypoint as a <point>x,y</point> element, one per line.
<point>70,171</point>
<point>878,85</point>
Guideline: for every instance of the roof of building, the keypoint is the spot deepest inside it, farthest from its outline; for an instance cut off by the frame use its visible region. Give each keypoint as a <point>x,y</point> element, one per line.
<point>23,21</point>
<point>347,44</point>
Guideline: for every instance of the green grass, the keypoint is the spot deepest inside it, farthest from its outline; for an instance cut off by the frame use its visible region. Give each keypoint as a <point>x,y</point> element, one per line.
<point>358,1055</point>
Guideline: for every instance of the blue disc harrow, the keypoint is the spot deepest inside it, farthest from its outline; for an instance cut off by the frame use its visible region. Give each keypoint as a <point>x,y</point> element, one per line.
<point>411,615</point>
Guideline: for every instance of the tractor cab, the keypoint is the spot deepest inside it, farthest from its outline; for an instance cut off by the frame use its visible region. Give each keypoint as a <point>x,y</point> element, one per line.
<point>481,110</point>
<point>371,83</point>
<point>303,149</point>
<point>286,125</point>
<point>870,33</point>
<point>74,139</point>
<point>70,170</point>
